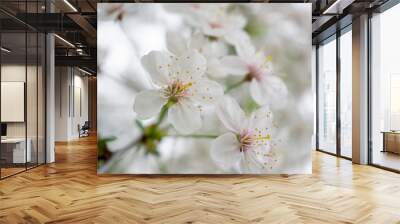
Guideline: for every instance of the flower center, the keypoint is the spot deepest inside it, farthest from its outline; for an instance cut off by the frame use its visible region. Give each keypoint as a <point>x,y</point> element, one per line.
<point>176,90</point>
<point>215,25</point>
<point>195,6</point>
<point>253,138</point>
<point>255,72</point>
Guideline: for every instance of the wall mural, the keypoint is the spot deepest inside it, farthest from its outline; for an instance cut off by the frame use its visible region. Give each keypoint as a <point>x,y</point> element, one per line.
<point>204,88</point>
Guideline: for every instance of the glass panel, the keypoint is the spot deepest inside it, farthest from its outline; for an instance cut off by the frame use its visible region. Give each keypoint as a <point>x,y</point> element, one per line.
<point>41,99</point>
<point>23,91</point>
<point>327,96</point>
<point>346,93</point>
<point>386,89</point>
<point>31,100</point>
<point>32,90</point>
<point>313,84</point>
<point>13,89</point>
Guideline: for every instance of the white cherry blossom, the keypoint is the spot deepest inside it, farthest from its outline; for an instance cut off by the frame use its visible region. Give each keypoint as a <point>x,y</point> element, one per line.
<point>213,50</point>
<point>215,20</point>
<point>218,22</point>
<point>265,86</point>
<point>248,146</point>
<point>179,80</point>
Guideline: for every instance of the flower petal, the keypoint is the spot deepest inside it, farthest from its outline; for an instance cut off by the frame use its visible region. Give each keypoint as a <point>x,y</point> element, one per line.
<point>192,66</point>
<point>206,91</point>
<point>242,43</point>
<point>158,65</point>
<point>230,114</point>
<point>234,65</point>
<point>197,41</point>
<point>176,43</point>
<point>262,159</point>
<point>214,49</point>
<point>215,69</point>
<point>208,48</point>
<point>260,59</point>
<point>261,118</point>
<point>225,150</point>
<point>250,163</point>
<point>236,21</point>
<point>148,103</point>
<point>185,117</point>
<point>270,89</point>
<point>213,31</point>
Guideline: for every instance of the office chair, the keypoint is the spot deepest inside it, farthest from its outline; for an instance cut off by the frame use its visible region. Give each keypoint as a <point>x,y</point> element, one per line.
<point>84,130</point>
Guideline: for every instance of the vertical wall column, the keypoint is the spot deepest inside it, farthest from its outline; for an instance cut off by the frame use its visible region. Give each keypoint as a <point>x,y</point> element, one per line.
<point>50,98</point>
<point>360,90</point>
<point>92,99</point>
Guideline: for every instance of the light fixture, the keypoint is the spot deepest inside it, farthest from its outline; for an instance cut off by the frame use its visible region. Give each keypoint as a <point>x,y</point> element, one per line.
<point>327,11</point>
<point>65,41</point>
<point>84,71</point>
<point>5,50</point>
<point>337,7</point>
<point>79,51</point>
<point>70,5</point>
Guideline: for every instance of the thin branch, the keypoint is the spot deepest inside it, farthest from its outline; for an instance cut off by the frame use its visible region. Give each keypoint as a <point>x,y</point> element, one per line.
<point>235,85</point>
<point>193,136</point>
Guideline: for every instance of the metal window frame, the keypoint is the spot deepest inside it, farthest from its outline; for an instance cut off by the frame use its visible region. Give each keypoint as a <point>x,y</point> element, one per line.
<point>334,37</point>
<point>387,5</point>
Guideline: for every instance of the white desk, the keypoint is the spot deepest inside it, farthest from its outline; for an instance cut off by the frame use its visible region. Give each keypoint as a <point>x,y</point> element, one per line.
<point>19,149</point>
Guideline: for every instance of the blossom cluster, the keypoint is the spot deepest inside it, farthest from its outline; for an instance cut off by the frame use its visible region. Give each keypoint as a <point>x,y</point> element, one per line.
<point>191,76</point>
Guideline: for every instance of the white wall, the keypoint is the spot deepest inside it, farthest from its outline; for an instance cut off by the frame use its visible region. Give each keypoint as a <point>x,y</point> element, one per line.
<point>62,81</point>
<point>79,117</point>
<point>70,83</point>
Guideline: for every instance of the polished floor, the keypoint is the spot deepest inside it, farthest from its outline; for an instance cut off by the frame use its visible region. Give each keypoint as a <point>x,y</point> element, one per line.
<point>8,171</point>
<point>69,191</point>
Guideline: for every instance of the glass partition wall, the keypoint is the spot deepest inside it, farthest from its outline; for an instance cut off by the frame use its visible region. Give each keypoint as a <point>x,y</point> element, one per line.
<point>346,92</point>
<point>385,89</point>
<point>22,77</point>
<point>334,93</point>
<point>327,95</point>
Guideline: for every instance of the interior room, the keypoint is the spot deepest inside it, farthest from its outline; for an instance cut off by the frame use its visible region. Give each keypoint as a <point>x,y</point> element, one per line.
<point>64,122</point>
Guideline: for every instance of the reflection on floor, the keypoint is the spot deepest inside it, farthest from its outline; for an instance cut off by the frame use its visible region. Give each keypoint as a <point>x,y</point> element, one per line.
<point>346,152</point>
<point>387,159</point>
<point>10,171</point>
